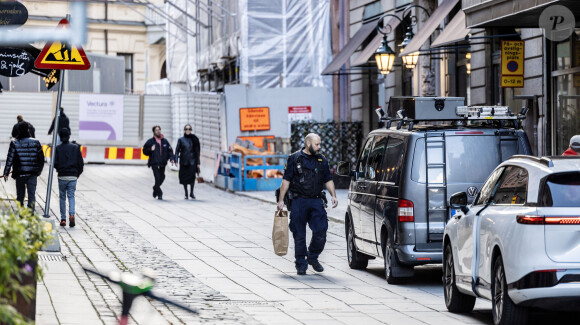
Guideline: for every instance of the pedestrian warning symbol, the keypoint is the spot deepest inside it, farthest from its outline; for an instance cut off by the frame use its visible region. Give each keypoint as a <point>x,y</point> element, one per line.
<point>62,56</point>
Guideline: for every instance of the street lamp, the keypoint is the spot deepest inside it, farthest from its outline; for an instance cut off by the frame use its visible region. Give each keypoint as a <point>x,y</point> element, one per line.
<point>409,60</point>
<point>385,56</point>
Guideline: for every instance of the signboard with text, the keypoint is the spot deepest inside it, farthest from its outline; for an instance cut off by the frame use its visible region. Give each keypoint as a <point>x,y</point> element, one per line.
<point>512,64</point>
<point>299,113</point>
<point>255,119</point>
<point>100,117</point>
<point>12,14</point>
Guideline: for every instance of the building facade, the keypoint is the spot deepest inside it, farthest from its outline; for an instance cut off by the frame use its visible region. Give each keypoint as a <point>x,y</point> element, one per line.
<point>132,32</point>
<point>460,54</point>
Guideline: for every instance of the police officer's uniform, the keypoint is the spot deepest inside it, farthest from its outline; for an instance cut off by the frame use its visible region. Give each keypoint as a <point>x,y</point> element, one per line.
<point>307,175</point>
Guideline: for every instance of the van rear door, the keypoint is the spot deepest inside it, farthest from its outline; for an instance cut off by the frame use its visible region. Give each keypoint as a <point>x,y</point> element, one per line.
<point>470,157</point>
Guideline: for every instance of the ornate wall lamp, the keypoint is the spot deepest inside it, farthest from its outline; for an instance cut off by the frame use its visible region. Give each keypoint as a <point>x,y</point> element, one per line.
<point>385,56</point>
<point>410,60</point>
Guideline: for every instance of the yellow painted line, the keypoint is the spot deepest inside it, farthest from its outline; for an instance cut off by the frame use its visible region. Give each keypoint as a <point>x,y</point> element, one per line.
<point>112,152</point>
<point>128,153</point>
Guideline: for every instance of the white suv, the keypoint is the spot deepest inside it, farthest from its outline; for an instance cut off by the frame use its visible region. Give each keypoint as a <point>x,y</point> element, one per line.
<point>518,244</point>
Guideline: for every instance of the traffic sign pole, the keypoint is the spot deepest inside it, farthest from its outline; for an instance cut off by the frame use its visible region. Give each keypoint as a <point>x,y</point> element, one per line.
<point>53,147</point>
<point>54,137</point>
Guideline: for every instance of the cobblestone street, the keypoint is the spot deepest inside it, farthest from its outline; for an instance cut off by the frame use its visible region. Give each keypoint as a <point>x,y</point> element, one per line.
<point>214,254</point>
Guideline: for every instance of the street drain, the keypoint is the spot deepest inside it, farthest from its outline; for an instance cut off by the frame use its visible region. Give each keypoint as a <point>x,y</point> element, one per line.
<point>51,257</point>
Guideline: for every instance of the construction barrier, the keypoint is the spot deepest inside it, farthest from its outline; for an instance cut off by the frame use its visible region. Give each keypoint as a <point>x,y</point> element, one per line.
<point>47,151</point>
<point>115,153</point>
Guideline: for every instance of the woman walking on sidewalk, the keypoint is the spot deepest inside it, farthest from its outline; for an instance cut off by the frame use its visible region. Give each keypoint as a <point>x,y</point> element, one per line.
<point>187,154</point>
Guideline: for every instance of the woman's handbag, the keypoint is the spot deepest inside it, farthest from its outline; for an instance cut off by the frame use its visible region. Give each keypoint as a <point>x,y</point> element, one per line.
<point>280,232</point>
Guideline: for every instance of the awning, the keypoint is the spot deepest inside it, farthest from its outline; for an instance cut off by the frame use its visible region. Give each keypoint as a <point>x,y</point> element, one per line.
<point>375,43</point>
<point>454,32</point>
<point>512,13</point>
<point>430,26</point>
<point>342,57</point>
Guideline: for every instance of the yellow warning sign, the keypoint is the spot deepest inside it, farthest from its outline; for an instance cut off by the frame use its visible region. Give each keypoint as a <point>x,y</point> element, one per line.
<point>62,53</point>
<point>512,58</point>
<point>512,81</point>
<point>59,55</point>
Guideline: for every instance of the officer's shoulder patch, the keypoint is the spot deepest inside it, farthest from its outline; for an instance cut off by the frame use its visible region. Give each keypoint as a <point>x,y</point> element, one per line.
<point>319,159</point>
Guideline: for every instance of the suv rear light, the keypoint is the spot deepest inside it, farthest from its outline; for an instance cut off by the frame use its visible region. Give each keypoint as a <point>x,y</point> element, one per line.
<point>539,220</point>
<point>405,211</point>
<point>562,220</point>
<point>530,220</point>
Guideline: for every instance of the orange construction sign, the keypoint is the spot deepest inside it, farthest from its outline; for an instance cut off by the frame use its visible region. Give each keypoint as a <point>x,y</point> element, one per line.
<point>62,56</point>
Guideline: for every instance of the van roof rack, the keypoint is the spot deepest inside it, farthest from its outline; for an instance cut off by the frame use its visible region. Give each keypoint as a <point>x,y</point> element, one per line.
<point>410,110</point>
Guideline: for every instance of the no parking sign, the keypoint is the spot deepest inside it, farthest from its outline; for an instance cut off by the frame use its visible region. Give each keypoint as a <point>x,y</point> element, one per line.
<point>512,64</point>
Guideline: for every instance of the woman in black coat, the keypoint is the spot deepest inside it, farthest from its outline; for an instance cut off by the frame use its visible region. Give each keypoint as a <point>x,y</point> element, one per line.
<point>187,154</point>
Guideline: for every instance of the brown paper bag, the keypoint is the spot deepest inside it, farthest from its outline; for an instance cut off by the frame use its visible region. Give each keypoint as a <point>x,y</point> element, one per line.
<point>280,232</point>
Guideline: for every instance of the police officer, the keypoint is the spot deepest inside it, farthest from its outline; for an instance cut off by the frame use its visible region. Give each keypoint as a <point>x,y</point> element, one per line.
<point>305,174</point>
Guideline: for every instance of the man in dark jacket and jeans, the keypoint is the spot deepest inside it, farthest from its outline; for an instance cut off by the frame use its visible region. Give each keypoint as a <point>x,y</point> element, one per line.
<point>68,162</point>
<point>159,151</point>
<point>26,160</point>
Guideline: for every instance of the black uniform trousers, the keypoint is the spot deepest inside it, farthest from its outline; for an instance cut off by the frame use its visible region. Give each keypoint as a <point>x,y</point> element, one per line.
<point>159,174</point>
<point>308,211</point>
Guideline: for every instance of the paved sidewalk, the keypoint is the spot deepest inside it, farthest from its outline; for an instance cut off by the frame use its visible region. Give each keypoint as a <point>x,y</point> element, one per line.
<point>214,254</point>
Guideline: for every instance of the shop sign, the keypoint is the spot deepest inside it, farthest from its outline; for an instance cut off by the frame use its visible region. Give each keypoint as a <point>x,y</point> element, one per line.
<point>299,113</point>
<point>512,64</point>
<point>13,14</point>
<point>15,62</point>
<point>255,119</point>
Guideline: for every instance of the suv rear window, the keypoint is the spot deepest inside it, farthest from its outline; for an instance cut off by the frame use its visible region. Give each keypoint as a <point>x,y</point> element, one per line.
<point>470,159</point>
<point>562,190</point>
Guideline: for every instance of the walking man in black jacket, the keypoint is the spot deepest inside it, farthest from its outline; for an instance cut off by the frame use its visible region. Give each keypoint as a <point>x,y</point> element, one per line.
<point>68,162</point>
<point>19,119</point>
<point>159,151</point>
<point>26,160</point>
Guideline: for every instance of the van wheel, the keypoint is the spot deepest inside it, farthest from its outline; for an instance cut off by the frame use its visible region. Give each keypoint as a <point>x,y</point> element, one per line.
<point>503,309</point>
<point>455,301</point>
<point>390,260</point>
<point>356,260</point>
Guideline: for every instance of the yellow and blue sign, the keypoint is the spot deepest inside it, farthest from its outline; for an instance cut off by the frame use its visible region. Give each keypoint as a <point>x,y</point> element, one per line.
<point>512,64</point>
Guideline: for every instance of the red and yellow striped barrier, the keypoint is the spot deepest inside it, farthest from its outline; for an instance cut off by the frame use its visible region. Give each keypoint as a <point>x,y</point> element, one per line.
<point>114,153</point>
<point>47,151</point>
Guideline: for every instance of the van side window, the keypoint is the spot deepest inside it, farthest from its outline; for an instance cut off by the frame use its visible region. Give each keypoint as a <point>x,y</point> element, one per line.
<point>393,161</point>
<point>374,168</point>
<point>362,159</point>
<point>513,187</point>
<point>488,186</point>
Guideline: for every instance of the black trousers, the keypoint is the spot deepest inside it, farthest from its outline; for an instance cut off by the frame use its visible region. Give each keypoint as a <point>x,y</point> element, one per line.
<point>159,174</point>
<point>23,184</point>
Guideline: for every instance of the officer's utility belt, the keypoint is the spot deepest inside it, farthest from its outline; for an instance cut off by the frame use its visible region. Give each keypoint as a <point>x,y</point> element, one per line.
<point>321,196</point>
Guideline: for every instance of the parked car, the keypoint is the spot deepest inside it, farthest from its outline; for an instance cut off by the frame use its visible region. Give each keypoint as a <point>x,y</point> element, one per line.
<point>397,207</point>
<point>517,244</point>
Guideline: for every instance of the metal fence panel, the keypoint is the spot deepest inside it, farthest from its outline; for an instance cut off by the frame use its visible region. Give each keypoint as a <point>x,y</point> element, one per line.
<point>340,141</point>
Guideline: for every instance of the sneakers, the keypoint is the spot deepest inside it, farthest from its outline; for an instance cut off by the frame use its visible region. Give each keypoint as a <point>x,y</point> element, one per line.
<point>63,222</point>
<point>315,265</point>
<point>71,221</point>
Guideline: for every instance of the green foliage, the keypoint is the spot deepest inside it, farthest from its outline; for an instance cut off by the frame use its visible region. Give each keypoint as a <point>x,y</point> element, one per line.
<point>22,235</point>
